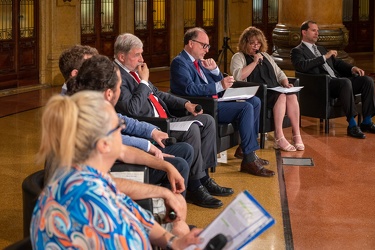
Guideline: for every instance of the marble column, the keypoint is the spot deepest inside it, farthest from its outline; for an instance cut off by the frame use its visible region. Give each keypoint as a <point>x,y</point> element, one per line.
<point>327,14</point>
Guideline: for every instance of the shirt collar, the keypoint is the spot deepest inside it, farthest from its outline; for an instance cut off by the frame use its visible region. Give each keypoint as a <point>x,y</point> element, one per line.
<point>122,66</point>
<point>190,56</point>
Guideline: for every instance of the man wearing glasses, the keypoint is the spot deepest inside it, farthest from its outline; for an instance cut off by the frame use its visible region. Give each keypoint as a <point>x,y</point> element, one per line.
<point>193,75</point>
<point>139,97</point>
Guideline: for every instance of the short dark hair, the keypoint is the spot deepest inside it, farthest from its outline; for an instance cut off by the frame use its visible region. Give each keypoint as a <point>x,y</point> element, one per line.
<point>306,24</point>
<point>96,73</point>
<point>73,57</point>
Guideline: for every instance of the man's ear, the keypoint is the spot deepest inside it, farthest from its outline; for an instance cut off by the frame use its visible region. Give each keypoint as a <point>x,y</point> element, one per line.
<point>108,94</point>
<point>74,72</point>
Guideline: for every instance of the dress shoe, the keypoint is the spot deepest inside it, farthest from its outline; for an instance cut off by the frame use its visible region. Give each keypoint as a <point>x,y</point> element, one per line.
<point>214,189</point>
<point>356,132</point>
<point>368,127</point>
<point>255,168</point>
<point>261,161</point>
<point>239,153</point>
<point>201,197</point>
<point>298,146</point>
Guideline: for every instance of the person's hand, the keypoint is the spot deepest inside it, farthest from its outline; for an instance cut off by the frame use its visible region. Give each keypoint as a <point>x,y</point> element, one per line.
<point>227,82</point>
<point>158,136</point>
<point>331,53</point>
<point>175,179</point>
<point>288,85</point>
<point>191,108</point>
<point>143,71</point>
<point>177,203</point>
<point>209,64</point>
<point>257,57</point>
<point>192,238</point>
<point>156,152</point>
<point>358,71</point>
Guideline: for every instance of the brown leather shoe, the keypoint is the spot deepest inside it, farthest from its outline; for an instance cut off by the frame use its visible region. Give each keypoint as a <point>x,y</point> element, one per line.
<point>261,161</point>
<point>255,168</point>
<point>238,154</point>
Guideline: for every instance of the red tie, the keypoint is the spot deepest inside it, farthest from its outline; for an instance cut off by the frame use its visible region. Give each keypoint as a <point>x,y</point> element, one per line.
<point>197,67</point>
<point>155,102</point>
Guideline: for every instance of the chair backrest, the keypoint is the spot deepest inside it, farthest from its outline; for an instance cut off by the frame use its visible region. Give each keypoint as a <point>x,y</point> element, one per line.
<point>24,244</point>
<point>32,186</point>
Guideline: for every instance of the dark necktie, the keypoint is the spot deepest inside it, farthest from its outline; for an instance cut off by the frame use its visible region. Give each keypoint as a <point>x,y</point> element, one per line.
<point>155,102</point>
<point>325,65</point>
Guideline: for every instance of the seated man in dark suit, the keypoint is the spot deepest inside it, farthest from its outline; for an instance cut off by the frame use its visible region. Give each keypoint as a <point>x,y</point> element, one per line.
<point>194,76</point>
<point>346,80</point>
<point>140,98</point>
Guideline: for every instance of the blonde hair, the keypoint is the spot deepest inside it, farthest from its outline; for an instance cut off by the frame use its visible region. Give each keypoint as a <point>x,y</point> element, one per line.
<point>71,126</point>
<point>247,35</point>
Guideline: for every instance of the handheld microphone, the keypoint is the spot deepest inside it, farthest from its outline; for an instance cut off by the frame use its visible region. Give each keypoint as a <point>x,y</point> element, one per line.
<point>198,108</point>
<point>260,61</point>
<point>169,141</point>
<point>216,243</point>
<point>172,215</point>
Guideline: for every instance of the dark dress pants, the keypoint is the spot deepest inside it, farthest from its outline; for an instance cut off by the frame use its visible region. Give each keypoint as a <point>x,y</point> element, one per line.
<point>203,141</point>
<point>246,115</point>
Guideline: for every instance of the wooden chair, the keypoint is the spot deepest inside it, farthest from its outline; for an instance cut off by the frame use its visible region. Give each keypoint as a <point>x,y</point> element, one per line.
<point>316,101</point>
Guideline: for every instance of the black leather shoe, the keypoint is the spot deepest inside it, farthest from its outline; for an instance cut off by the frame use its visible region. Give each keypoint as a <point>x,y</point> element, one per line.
<point>368,127</point>
<point>201,197</point>
<point>214,189</point>
<point>356,132</point>
<point>255,168</point>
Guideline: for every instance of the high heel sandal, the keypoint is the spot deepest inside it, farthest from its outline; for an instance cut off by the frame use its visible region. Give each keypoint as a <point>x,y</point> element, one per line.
<point>298,146</point>
<point>288,148</point>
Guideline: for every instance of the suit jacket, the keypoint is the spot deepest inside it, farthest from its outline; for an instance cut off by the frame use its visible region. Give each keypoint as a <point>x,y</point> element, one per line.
<point>134,99</point>
<point>304,60</point>
<point>185,79</point>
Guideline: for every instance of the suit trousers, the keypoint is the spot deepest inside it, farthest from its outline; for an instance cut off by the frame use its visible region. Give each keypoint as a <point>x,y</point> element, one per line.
<point>203,141</point>
<point>345,89</point>
<point>182,161</point>
<point>244,114</point>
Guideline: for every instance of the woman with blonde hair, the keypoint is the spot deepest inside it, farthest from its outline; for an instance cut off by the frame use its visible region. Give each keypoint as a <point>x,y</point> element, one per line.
<point>253,64</point>
<point>80,206</point>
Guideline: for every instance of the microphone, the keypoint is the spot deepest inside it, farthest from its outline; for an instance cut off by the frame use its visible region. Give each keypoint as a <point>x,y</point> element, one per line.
<point>169,141</point>
<point>216,243</point>
<point>260,61</point>
<point>172,215</point>
<point>198,108</point>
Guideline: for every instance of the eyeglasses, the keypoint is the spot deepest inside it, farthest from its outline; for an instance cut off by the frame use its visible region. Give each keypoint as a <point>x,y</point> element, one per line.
<point>204,45</point>
<point>121,124</point>
<point>252,43</point>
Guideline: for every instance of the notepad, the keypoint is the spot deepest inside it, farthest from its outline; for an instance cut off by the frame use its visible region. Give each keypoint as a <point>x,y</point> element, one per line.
<point>243,220</point>
<point>238,93</point>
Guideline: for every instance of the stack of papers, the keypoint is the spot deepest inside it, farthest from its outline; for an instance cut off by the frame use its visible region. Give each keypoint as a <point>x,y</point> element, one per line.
<point>286,90</point>
<point>242,221</point>
<point>238,93</point>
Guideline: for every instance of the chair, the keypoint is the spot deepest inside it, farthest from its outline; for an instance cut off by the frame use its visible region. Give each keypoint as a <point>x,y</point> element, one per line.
<point>33,185</point>
<point>24,244</point>
<point>315,100</point>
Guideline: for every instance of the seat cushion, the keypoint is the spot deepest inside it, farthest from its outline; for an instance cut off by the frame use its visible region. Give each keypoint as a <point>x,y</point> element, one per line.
<point>225,129</point>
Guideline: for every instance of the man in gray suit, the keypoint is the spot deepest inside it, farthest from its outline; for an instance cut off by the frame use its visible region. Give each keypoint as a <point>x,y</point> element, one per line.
<point>346,80</point>
<point>139,97</point>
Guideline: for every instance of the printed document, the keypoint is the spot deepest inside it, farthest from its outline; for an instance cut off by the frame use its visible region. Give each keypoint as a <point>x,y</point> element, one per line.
<point>286,90</point>
<point>238,93</point>
<point>242,221</point>
<point>183,126</point>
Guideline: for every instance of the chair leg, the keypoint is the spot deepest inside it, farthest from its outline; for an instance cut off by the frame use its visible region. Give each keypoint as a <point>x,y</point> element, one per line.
<point>213,169</point>
<point>262,140</point>
<point>326,128</point>
<point>359,118</point>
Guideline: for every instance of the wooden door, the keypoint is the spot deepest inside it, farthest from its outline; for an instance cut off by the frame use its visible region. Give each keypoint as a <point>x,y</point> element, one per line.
<point>358,18</point>
<point>19,43</point>
<point>203,13</point>
<point>151,26</point>
<point>99,25</point>
<point>265,18</point>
